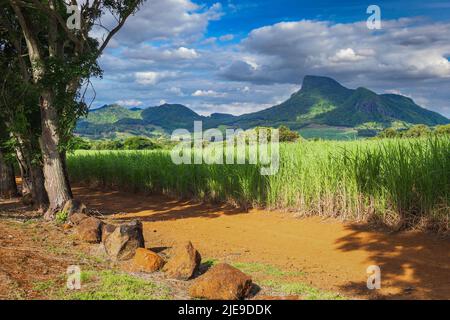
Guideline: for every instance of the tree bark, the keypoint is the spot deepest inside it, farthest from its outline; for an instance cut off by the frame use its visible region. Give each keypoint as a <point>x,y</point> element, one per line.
<point>25,171</point>
<point>56,183</point>
<point>66,171</point>
<point>33,181</point>
<point>40,196</point>
<point>8,187</point>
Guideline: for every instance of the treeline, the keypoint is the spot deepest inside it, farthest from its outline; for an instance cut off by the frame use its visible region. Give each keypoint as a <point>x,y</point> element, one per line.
<point>417,131</point>
<point>48,57</point>
<point>144,143</point>
<point>131,143</point>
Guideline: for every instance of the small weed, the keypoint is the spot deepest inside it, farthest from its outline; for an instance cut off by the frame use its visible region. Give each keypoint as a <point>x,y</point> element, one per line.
<point>61,217</point>
<point>209,262</point>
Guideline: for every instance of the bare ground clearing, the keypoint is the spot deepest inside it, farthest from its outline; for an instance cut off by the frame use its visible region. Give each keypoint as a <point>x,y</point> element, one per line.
<point>285,255</point>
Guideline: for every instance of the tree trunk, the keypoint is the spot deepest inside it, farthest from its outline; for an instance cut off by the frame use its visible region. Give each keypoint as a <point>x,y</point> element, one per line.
<point>66,171</point>
<point>31,172</point>
<point>56,184</point>
<point>40,197</point>
<point>58,190</point>
<point>25,171</point>
<point>8,187</point>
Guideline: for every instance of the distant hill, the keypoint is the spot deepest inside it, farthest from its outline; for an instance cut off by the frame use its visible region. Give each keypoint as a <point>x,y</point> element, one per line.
<point>322,102</point>
<point>110,114</point>
<point>171,117</point>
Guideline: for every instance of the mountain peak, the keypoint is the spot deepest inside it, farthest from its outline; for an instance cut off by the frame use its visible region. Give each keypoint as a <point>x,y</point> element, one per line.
<point>324,87</point>
<point>361,91</point>
<point>317,82</point>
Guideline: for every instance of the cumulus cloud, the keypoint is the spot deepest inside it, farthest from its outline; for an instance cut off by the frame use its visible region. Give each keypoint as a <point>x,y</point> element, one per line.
<point>208,93</point>
<point>287,51</point>
<point>175,91</point>
<point>235,108</point>
<point>226,37</point>
<point>152,78</point>
<point>167,20</point>
<point>346,55</point>
<point>147,52</point>
<point>129,103</point>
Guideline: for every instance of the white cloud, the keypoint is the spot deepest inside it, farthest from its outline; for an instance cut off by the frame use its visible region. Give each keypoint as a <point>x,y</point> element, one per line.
<point>129,103</point>
<point>156,54</point>
<point>226,37</point>
<point>286,51</point>
<point>151,77</point>
<point>208,93</point>
<point>346,55</point>
<point>235,108</point>
<point>167,20</point>
<point>176,91</point>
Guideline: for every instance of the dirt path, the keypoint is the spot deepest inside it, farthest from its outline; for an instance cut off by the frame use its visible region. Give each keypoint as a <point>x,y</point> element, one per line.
<point>328,254</point>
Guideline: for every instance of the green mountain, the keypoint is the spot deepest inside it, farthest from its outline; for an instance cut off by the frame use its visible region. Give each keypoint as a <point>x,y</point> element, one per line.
<point>110,114</point>
<point>321,103</point>
<point>171,117</point>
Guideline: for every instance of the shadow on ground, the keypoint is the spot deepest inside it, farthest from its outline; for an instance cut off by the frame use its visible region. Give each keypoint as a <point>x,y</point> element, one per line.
<point>150,208</point>
<point>408,260</point>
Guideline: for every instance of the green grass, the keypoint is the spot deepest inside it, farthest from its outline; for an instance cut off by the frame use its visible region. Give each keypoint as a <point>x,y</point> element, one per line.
<point>329,133</point>
<point>43,286</point>
<point>112,285</point>
<point>103,285</point>
<point>386,179</point>
<point>264,269</point>
<point>305,291</point>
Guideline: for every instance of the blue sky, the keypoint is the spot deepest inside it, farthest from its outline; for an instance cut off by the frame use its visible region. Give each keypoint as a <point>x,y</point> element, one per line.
<point>243,16</point>
<point>241,56</point>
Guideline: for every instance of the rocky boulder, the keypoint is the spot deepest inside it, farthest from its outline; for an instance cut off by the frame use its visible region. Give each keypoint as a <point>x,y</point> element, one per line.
<point>90,230</point>
<point>122,243</point>
<point>222,282</point>
<point>76,218</point>
<point>107,230</point>
<point>146,261</point>
<point>183,262</point>
<point>74,206</point>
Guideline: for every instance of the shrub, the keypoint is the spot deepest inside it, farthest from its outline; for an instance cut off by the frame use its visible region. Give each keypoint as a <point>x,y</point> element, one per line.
<point>417,131</point>
<point>286,135</point>
<point>61,217</point>
<point>442,130</point>
<point>389,133</point>
<point>139,143</point>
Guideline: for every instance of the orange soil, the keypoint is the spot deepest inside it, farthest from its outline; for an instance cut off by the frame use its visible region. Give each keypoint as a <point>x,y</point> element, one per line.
<point>332,255</point>
<point>32,253</point>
